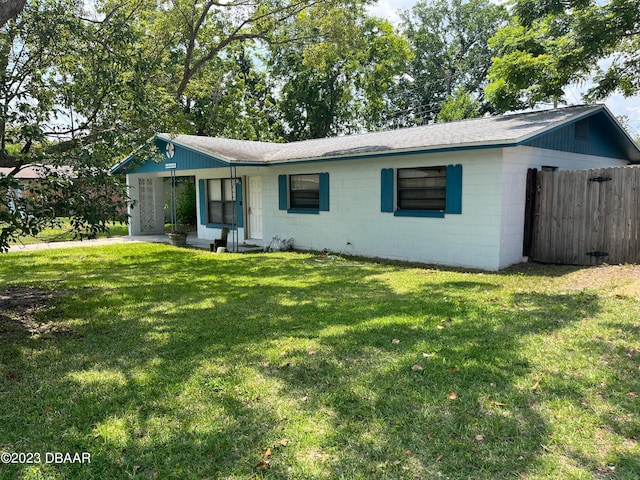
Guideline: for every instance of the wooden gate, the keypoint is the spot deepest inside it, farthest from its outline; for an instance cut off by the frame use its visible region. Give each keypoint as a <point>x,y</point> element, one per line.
<point>584,217</point>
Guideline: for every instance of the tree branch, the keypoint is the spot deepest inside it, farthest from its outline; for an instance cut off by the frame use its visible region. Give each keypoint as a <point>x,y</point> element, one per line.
<point>88,120</point>
<point>8,161</point>
<point>190,69</point>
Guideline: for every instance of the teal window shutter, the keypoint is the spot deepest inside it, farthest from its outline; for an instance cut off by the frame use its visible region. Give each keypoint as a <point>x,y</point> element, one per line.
<point>282,192</point>
<point>239,206</point>
<point>454,189</point>
<point>203,202</point>
<point>386,190</point>
<point>324,192</point>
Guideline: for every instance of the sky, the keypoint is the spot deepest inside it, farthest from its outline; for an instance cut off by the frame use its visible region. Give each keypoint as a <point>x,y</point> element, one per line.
<point>617,104</point>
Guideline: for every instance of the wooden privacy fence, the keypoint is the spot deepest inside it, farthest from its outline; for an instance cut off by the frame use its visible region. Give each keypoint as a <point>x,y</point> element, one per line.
<point>585,217</point>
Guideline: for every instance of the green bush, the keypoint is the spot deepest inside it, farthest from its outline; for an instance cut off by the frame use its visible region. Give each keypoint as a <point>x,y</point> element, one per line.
<point>186,205</point>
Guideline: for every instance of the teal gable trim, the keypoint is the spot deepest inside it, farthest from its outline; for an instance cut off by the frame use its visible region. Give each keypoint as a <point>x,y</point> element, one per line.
<point>202,191</point>
<point>184,158</point>
<point>386,189</point>
<point>324,192</point>
<point>453,200</point>
<point>239,206</point>
<point>599,141</point>
<point>282,192</point>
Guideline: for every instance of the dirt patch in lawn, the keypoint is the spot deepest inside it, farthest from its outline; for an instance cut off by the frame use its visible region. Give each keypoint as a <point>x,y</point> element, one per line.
<point>619,280</point>
<point>22,309</point>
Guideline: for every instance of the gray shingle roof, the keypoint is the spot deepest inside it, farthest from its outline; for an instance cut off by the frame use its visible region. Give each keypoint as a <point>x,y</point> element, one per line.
<point>487,131</point>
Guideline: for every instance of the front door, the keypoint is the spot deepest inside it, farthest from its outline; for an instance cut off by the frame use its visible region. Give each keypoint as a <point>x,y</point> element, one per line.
<point>254,209</point>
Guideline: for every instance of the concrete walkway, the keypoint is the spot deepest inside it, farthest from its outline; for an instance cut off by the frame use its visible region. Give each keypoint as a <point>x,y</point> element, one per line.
<point>76,243</point>
<point>192,241</point>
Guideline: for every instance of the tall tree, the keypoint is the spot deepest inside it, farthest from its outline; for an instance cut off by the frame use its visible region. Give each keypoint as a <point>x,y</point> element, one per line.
<point>449,39</point>
<point>58,90</point>
<point>236,99</point>
<point>459,106</point>
<point>205,37</point>
<point>336,73</point>
<point>551,44</point>
<point>83,82</point>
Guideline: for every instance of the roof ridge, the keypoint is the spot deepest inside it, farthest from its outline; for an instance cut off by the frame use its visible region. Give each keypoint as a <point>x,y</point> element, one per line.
<point>508,115</point>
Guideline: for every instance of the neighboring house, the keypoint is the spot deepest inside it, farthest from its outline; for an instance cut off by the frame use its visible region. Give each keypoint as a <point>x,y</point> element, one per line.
<point>31,174</point>
<point>28,173</point>
<point>450,194</point>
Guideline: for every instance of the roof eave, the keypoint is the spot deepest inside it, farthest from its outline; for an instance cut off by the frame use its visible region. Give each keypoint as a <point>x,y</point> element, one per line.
<point>632,151</point>
<point>399,152</point>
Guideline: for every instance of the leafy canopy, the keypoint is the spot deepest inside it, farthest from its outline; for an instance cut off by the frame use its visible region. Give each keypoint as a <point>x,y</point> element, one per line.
<point>337,71</point>
<point>81,83</point>
<point>449,42</point>
<point>552,44</point>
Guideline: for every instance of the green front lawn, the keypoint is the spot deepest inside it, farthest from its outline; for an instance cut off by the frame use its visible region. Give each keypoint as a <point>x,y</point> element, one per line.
<point>173,363</point>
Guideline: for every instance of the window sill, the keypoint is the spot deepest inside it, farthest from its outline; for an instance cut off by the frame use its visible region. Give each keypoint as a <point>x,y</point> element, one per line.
<point>220,225</point>
<point>418,213</point>
<point>307,211</point>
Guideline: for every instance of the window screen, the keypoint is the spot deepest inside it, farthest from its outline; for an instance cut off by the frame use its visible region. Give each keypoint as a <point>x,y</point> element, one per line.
<point>422,188</point>
<point>304,191</point>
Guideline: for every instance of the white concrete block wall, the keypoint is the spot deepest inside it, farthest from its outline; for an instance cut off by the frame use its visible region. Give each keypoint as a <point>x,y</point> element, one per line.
<point>487,235</point>
<point>470,239</point>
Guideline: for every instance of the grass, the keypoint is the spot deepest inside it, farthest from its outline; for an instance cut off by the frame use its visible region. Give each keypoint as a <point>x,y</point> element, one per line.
<point>178,364</point>
<point>64,233</point>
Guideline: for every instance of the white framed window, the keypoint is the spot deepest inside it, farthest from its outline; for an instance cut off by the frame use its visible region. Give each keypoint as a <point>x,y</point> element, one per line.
<point>422,188</point>
<point>421,191</point>
<point>221,202</point>
<point>304,191</point>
